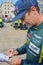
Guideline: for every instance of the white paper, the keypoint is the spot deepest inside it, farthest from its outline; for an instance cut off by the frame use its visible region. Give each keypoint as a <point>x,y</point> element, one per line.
<point>3,58</point>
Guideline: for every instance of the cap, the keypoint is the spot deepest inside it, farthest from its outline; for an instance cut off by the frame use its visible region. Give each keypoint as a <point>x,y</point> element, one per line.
<point>22,6</point>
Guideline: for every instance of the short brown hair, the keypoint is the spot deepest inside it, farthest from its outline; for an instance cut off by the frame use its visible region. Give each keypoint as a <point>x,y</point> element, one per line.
<point>37,8</point>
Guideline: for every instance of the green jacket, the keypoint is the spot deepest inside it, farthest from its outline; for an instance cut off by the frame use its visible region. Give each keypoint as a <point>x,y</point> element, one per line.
<point>34,44</point>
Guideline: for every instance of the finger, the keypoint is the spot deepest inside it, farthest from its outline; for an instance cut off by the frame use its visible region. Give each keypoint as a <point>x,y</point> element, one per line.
<point>11,53</point>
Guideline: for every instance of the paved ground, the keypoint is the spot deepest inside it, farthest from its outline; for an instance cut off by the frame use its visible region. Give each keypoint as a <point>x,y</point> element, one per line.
<point>11,38</point>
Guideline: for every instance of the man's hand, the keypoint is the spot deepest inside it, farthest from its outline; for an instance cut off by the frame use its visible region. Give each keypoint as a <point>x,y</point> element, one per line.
<point>12,52</point>
<point>16,61</point>
<point>15,52</point>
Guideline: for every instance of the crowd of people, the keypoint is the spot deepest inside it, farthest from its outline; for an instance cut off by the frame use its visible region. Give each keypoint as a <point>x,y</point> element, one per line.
<point>19,24</point>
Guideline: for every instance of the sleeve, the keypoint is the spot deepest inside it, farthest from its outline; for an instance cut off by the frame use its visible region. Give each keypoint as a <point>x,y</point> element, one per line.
<point>22,49</point>
<point>41,55</point>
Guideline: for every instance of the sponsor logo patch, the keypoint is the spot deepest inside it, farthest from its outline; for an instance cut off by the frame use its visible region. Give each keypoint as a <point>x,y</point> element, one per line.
<point>29,35</point>
<point>38,37</point>
<point>34,48</point>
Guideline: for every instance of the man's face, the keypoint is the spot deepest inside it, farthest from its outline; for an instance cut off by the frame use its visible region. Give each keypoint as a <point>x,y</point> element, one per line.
<point>29,18</point>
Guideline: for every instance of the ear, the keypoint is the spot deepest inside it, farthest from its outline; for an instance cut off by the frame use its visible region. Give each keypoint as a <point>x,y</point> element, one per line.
<point>33,8</point>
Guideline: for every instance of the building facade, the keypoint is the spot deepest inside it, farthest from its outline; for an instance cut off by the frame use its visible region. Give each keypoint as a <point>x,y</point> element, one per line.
<point>6,9</point>
<point>0,11</point>
<point>41,5</point>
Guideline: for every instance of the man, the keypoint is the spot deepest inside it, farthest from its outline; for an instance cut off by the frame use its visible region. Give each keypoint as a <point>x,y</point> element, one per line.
<point>0,20</point>
<point>16,24</point>
<point>28,11</point>
<point>1,23</point>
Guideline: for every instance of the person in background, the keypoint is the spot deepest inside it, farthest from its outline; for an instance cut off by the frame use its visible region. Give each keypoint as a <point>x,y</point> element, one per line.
<point>0,20</point>
<point>29,12</point>
<point>20,24</point>
<point>16,24</point>
<point>23,25</point>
